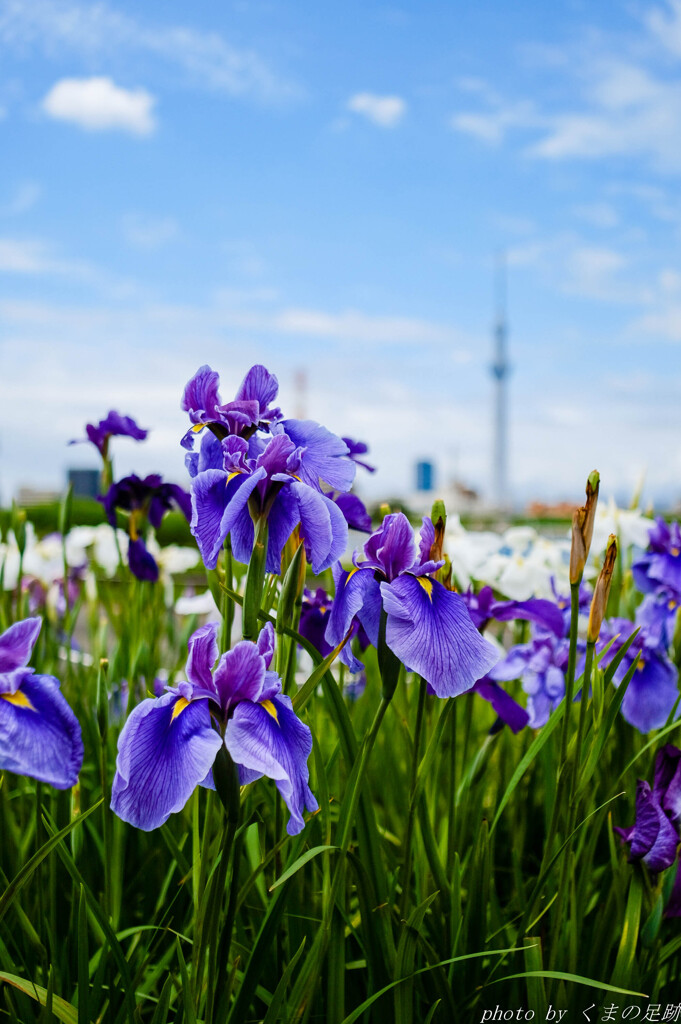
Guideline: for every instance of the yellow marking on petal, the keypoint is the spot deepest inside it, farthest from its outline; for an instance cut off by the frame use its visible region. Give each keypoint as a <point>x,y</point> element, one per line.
<point>295,477</point>
<point>671,605</point>
<point>197,428</point>
<point>179,707</point>
<point>351,574</point>
<point>427,585</point>
<point>270,709</point>
<point>235,472</point>
<point>641,665</point>
<point>19,699</point>
<point>675,552</point>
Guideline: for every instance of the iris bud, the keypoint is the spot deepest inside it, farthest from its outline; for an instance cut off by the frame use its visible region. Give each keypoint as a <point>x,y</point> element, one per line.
<point>582,529</point>
<point>599,602</point>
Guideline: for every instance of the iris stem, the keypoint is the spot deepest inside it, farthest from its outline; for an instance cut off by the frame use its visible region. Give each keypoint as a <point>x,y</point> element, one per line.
<point>418,728</point>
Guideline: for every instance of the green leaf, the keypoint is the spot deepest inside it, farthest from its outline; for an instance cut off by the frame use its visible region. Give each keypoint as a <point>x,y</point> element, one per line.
<point>272,1015</point>
<point>527,760</point>
<point>22,877</point>
<point>576,979</point>
<point>300,862</point>
<point>63,1011</point>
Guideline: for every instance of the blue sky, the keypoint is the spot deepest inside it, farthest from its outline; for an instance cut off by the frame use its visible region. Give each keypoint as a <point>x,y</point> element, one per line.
<point>325,188</point>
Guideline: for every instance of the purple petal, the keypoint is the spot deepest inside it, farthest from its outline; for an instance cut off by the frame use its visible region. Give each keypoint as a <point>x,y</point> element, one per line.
<point>201,394</point>
<point>39,733</point>
<point>279,748</point>
<point>265,643</point>
<point>667,785</point>
<point>323,527</point>
<point>203,653</point>
<point>391,548</point>
<point>258,385</point>
<point>324,456</point>
<point>653,838</point>
<point>209,455</point>
<point>240,675</point>
<point>430,630</point>
<point>352,590</point>
<point>142,564</point>
<point>426,540</point>
<point>281,522</point>
<point>651,694</point>
<point>16,644</point>
<point>354,512</point>
<point>216,508</point>
<point>162,756</point>
<point>508,709</point>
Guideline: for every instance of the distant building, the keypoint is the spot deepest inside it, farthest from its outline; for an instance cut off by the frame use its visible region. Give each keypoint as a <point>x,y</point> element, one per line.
<point>425,476</point>
<point>85,482</point>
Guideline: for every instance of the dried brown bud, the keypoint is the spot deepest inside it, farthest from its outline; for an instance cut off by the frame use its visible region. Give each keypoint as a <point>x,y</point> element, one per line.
<point>599,602</point>
<point>582,529</point>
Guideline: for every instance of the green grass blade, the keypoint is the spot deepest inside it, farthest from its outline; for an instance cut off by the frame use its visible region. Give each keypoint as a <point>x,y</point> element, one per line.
<point>63,1011</point>
<point>301,862</point>
<point>575,979</point>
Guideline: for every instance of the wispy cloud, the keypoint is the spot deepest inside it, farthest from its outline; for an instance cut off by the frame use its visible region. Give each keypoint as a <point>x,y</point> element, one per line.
<point>32,256</point>
<point>619,100</point>
<point>384,111</point>
<point>89,30</point>
<point>23,199</point>
<point>98,104</point>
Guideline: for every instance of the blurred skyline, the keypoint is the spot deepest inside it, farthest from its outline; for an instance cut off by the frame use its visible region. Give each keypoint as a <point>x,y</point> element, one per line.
<point>326,190</point>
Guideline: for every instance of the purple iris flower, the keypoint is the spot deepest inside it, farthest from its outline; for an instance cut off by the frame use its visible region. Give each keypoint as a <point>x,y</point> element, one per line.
<point>146,500</point>
<point>660,566</point>
<point>427,626</point>
<point>484,607</point>
<point>508,709</point>
<point>281,484</point>
<point>654,836</point>
<point>113,425</point>
<point>658,614</point>
<point>39,733</point>
<point>653,691</point>
<point>358,448</point>
<point>169,744</point>
<point>540,665</point>
<point>249,410</point>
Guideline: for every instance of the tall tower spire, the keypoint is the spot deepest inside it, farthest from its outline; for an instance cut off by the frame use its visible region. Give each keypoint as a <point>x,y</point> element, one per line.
<point>500,371</point>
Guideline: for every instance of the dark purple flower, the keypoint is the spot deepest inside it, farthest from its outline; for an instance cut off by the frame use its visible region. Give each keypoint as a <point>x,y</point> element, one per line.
<point>281,485</point>
<point>660,566</point>
<point>169,744</point>
<point>508,709</point>
<point>39,733</point>
<point>356,515</point>
<point>358,448</point>
<point>427,626</point>
<point>653,691</point>
<point>484,607</point>
<point>314,618</point>
<point>145,500</point>
<point>540,665</point>
<point>654,836</point>
<point>249,410</point>
<point>114,425</point>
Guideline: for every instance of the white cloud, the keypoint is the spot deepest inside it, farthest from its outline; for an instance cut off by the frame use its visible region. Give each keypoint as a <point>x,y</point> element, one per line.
<point>601,215</point>
<point>98,104</point>
<point>98,30</point>
<point>385,111</point>
<point>33,256</point>
<point>492,126</point>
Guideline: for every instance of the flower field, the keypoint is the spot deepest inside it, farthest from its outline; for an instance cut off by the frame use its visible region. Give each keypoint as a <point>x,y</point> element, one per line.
<point>315,767</point>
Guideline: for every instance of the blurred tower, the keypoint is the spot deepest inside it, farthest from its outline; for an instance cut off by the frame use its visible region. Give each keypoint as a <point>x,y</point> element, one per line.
<point>500,370</point>
<point>300,393</point>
